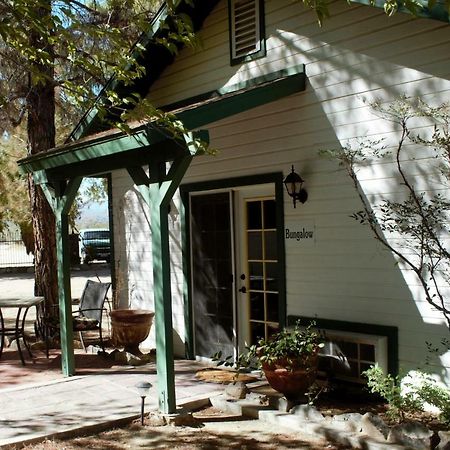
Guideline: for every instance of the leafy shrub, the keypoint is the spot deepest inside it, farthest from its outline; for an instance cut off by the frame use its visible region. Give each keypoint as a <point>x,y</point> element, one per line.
<point>390,388</point>
<point>408,397</point>
<point>430,392</point>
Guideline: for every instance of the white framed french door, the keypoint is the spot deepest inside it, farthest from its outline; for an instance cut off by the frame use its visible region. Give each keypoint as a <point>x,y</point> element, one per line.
<point>234,267</point>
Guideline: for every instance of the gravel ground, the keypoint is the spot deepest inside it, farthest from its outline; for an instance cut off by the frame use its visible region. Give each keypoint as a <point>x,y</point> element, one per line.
<point>217,434</point>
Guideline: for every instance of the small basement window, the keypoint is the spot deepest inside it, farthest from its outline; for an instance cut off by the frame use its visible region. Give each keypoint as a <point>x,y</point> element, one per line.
<point>247,39</point>
<point>346,355</point>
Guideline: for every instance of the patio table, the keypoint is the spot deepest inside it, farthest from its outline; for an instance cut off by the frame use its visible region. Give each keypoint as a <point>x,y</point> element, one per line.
<point>23,304</point>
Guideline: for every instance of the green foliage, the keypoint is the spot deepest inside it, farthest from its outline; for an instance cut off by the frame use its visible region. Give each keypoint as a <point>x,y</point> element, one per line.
<point>294,346</point>
<point>389,388</point>
<point>430,392</point>
<point>420,213</point>
<point>415,7</point>
<point>80,47</point>
<point>405,397</point>
<point>14,201</point>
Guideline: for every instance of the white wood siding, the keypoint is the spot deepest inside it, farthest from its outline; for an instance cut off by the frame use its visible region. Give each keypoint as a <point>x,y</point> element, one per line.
<point>359,54</point>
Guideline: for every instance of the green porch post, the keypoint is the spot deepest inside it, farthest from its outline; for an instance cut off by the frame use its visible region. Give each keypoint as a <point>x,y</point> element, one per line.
<point>157,190</point>
<point>159,226</point>
<point>64,293</point>
<point>60,197</point>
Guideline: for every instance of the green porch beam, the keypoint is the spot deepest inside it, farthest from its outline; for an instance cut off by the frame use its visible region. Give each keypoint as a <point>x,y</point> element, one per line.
<point>159,210</point>
<point>60,196</point>
<point>106,144</point>
<point>157,194</point>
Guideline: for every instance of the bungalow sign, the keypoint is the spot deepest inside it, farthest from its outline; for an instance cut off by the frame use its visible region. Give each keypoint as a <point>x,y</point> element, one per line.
<point>300,233</point>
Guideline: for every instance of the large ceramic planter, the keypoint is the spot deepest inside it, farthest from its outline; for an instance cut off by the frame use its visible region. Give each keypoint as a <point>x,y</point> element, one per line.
<point>130,327</point>
<point>291,379</point>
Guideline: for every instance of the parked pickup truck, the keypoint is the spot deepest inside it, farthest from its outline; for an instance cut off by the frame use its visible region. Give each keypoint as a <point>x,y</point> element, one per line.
<point>95,245</point>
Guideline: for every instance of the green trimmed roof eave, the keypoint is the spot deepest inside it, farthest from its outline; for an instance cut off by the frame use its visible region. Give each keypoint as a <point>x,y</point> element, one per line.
<point>233,103</point>
<point>438,12</point>
<point>114,149</point>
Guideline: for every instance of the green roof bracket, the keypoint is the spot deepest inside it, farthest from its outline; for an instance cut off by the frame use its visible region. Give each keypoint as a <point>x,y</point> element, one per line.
<point>138,175</point>
<point>192,140</point>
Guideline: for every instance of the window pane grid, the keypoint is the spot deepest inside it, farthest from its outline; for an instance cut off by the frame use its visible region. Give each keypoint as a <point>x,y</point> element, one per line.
<point>259,213</point>
<point>357,363</point>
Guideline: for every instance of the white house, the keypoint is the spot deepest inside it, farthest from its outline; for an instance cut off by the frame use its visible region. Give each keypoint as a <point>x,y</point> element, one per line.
<point>337,271</point>
<point>273,88</point>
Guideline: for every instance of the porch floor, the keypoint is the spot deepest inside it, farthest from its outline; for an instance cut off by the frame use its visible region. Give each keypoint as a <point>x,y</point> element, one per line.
<point>36,401</point>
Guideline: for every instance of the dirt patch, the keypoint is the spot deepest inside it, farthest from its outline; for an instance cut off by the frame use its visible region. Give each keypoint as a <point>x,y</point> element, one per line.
<point>212,414</point>
<point>247,434</point>
<point>215,429</point>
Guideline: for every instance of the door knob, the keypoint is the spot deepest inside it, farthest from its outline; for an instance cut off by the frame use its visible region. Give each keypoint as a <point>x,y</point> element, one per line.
<point>243,289</point>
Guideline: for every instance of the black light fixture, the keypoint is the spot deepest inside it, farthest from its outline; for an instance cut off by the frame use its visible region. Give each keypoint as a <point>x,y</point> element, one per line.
<point>294,183</point>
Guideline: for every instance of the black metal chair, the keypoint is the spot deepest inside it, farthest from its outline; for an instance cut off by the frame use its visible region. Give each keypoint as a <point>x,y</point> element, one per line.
<point>90,313</point>
<point>88,317</point>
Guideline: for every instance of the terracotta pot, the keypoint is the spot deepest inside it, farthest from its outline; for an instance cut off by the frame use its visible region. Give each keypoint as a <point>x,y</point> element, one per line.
<point>130,327</point>
<point>292,380</point>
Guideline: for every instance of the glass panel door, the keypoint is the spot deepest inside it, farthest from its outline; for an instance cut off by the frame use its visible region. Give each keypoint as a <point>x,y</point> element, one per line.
<point>262,268</point>
<point>212,273</point>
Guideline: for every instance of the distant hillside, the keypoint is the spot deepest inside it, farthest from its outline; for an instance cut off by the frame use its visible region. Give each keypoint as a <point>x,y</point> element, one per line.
<point>94,216</point>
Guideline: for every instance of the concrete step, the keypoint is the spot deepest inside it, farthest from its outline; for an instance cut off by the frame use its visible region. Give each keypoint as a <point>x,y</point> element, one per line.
<point>247,407</point>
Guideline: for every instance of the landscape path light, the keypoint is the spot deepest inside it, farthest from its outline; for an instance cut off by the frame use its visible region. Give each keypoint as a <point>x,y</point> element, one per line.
<point>143,389</point>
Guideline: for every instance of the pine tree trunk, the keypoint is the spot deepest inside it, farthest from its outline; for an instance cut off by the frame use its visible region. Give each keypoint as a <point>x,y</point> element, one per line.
<point>41,137</point>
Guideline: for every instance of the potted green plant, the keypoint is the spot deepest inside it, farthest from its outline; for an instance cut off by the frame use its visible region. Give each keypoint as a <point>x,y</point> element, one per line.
<point>289,359</point>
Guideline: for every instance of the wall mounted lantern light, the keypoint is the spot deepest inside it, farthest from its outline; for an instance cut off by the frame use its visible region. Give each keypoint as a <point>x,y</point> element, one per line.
<point>294,183</point>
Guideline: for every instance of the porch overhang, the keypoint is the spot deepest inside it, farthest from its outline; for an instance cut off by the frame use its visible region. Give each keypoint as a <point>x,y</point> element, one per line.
<point>115,149</point>
<point>108,151</point>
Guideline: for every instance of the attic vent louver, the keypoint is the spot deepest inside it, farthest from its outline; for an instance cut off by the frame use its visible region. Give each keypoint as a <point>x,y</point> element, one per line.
<point>246,39</point>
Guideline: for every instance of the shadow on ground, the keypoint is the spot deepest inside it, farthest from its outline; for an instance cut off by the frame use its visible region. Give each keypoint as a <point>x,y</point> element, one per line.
<point>247,435</point>
<point>39,369</point>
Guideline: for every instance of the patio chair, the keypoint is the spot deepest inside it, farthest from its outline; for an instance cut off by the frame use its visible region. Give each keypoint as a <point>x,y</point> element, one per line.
<point>90,313</point>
